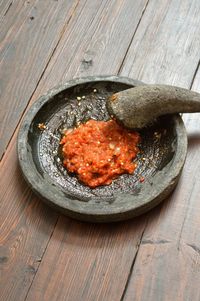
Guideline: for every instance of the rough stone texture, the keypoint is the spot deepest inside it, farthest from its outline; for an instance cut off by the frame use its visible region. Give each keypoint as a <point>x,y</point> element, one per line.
<point>135,108</point>
<point>165,153</point>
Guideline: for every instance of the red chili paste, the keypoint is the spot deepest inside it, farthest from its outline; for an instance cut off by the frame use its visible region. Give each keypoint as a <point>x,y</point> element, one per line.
<point>99,151</point>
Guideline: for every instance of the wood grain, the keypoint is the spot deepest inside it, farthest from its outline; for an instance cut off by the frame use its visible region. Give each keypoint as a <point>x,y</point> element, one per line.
<point>168,262</point>
<point>29,35</point>
<point>12,17</point>
<point>95,42</point>
<point>165,48</point>
<point>93,262</point>
<point>112,286</point>
<point>167,266</point>
<point>87,262</point>
<point>27,224</point>
<point>4,8</point>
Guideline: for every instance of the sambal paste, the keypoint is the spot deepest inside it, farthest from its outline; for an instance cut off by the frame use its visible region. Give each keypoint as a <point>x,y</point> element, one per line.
<point>99,151</point>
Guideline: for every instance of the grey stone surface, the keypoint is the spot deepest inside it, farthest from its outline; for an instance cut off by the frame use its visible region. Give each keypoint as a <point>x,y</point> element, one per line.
<point>136,108</point>
<point>127,197</point>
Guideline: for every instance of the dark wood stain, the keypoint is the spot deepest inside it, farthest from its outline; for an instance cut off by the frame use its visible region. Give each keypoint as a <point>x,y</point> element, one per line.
<point>169,270</point>
<point>28,40</point>
<point>93,260</point>
<point>26,227</point>
<point>31,239</point>
<point>44,256</point>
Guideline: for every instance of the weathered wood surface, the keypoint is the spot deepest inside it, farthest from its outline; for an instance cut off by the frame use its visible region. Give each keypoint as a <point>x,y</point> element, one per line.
<point>39,284</point>
<point>166,45</point>
<point>15,204</point>
<point>26,226</point>
<point>4,8</point>
<point>168,262</point>
<point>30,32</point>
<point>134,260</point>
<point>95,41</point>
<point>87,262</point>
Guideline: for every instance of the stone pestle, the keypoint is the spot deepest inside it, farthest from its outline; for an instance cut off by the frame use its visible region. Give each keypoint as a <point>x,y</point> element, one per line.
<point>140,106</point>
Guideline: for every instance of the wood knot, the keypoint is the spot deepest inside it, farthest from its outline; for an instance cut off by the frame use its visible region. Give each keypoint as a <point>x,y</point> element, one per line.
<point>3,259</point>
<point>87,63</point>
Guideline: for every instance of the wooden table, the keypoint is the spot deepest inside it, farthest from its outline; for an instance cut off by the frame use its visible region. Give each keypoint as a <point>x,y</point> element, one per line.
<point>44,255</point>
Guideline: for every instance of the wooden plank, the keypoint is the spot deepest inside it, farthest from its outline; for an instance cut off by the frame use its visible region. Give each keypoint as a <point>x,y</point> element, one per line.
<point>30,33</point>
<point>5,7</point>
<point>195,84</point>
<point>87,262</point>
<point>81,253</point>
<point>25,221</point>
<point>101,264</point>
<point>12,16</point>
<point>25,226</point>
<point>166,41</point>
<point>105,33</point>
<point>77,291</point>
<point>78,273</point>
<point>168,260</point>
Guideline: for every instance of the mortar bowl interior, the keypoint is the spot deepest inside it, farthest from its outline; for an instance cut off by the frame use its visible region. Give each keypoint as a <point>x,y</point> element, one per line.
<point>162,154</point>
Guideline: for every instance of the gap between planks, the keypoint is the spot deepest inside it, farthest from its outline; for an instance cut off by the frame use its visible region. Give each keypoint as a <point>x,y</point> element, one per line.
<point>134,260</point>
<point>14,134</point>
<point>56,222</point>
<point>42,73</point>
<point>136,29</point>
<point>120,69</point>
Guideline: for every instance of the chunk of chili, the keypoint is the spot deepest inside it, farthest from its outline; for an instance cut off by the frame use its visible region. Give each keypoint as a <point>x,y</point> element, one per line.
<point>99,151</point>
